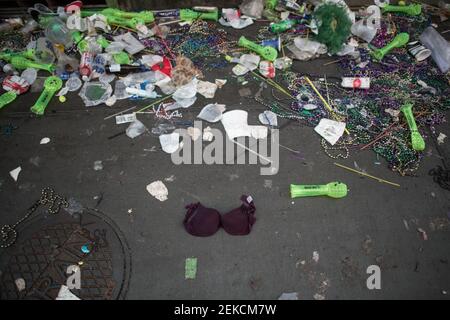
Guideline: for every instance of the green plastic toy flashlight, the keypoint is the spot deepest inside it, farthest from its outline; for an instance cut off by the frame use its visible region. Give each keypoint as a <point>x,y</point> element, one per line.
<point>268,53</point>
<point>333,189</point>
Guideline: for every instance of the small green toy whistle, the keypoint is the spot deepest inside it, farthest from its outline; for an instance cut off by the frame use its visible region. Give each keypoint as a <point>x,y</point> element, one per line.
<point>399,41</point>
<point>332,189</point>
<point>411,10</point>
<point>268,53</point>
<point>51,85</point>
<point>417,141</point>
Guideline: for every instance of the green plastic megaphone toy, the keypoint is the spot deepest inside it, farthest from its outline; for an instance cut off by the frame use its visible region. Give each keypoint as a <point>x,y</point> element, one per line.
<point>19,62</point>
<point>51,85</point>
<point>7,98</point>
<point>332,189</point>
<point>411,10</point>
<point>268,53</point>
<point>189,15</point>
<point>399,41</point>
<point>417,141</point>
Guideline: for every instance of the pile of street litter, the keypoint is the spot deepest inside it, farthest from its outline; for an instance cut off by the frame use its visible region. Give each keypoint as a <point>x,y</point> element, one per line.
<point>394,63</point>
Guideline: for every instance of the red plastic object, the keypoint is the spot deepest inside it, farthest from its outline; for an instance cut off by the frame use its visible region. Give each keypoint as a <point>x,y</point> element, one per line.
<point>15,83</point>
<point>73,6</point>
<point>165,67</point>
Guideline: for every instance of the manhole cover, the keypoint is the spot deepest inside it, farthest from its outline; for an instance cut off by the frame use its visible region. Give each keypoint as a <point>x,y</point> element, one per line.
<point>48,244</point>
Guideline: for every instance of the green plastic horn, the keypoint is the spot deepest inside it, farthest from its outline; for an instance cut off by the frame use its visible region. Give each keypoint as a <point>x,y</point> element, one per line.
<point>51,85</point>
<point>411,10</point>
<point>19,62</point>
<point>399,41</point>
<point>332,189</point>
<point>28,54</point>
<point>7,98</point>
<point>189,15</point>
<point>417,141</point>
<point>145,16</point>
<point>268,53</point>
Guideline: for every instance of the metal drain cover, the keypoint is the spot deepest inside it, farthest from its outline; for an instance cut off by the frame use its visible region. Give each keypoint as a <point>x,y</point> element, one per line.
<point>48,244</point>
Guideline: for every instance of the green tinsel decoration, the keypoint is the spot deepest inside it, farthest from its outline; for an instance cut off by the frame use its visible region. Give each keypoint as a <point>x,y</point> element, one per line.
<point>333,26</point>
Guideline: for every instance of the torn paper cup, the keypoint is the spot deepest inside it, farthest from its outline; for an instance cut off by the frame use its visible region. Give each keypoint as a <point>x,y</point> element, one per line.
<point>235,124</point>
<point>212,112</point>
<point>135,129</point>
<point>187,91</point>
<point>158,190</point>
<point>330,130</point>
<point>220,82</point>
<point>206,89</point>
<point>170,142</point>
<point>250,61</point>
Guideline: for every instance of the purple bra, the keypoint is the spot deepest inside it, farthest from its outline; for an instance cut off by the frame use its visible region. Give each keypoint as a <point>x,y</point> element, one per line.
<point>203,222</point>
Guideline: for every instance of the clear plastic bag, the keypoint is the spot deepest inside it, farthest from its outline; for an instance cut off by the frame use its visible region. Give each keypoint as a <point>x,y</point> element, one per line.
<point>95,93</point>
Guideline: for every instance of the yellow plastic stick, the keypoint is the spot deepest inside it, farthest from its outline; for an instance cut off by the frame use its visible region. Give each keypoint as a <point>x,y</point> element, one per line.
<point>367,175</point>
<point>323,100</point>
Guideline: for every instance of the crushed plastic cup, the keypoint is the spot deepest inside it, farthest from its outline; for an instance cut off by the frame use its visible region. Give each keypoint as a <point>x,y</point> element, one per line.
<point>120,90</point>
<point>363,31</point>
<point>95,93</point>
<point>187,91</point>
<point>135,129</point>
<point>212,112</point>
<point>73,83</point>
<point>115,47</point>
<point>107,78</point>
<point>163,128</point>
<point>170,142</point>
<point>30,75</point>
<point>151,59</point>
<point>439,46</point>
<point>250,61</point>
<point>42,52</point>
<point>58,33</point>
<point>132,45</point>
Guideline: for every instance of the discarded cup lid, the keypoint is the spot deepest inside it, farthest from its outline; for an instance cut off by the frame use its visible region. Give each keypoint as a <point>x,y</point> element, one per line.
<point>29,75</point>
<point>73,83</point>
